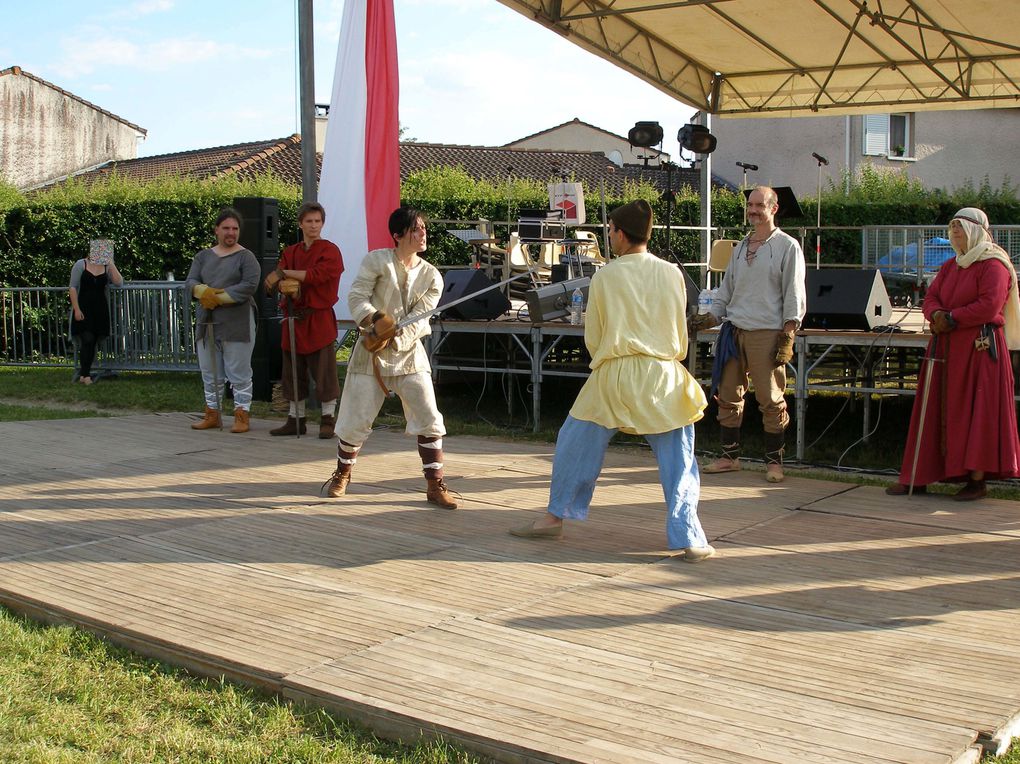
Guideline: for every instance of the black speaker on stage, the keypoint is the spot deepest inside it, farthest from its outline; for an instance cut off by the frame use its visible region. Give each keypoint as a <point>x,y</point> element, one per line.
<point>487,306</point>
<point>846,299</point>
<point>260,232</point>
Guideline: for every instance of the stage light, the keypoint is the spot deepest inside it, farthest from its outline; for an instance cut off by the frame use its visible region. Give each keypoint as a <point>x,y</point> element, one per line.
<point>645,134</point>
<point>696,138</point>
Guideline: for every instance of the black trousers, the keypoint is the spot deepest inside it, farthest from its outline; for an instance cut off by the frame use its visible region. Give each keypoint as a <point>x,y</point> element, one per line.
<point>86,353</point>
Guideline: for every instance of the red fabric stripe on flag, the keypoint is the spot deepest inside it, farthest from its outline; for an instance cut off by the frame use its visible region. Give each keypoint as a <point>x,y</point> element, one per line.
<point>382,148</point>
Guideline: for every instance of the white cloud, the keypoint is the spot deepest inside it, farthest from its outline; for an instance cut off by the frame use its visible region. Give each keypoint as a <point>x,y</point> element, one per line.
<point>142,8</point>
<point>85,55</point>
<point>101,87</point>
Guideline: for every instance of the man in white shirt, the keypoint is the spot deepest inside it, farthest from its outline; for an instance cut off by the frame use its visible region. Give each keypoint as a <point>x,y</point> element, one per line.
<point>764,298</point>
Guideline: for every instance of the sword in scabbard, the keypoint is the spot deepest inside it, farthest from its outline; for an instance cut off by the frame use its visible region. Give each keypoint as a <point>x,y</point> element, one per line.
<point>929,364</point>
<point>290,318</point>
<point>211,343</point>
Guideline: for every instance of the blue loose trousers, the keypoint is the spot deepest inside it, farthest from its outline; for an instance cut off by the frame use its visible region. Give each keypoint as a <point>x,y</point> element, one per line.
<point>580,452</point>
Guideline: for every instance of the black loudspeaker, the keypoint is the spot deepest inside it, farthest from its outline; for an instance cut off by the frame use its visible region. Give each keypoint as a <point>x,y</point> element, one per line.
<point>260,232</point>
<point>561,272</point>
<point>488,305</point>
<point>846,299</point>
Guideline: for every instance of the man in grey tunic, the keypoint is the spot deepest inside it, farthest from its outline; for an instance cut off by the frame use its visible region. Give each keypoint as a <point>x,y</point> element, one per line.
<point>223,279</point>
<point>764,298</point>
<point>393,284</point>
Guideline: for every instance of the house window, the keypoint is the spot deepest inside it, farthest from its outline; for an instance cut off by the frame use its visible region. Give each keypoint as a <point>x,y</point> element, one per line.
<point>888,135</point>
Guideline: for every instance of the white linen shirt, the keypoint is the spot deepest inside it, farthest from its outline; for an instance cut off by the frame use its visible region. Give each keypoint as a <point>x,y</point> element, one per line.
<point>768,292</point>
<point>383,283</point>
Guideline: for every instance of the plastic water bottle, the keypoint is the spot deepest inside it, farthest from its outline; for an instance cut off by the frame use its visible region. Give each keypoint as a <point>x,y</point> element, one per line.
<point>705,302</point>
<point>577,307</point>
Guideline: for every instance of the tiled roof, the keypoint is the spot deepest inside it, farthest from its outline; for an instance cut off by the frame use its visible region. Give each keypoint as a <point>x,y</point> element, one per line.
<point>495,163</point>
<point>283,158</point>
<point>17,70</point>
<point>574,121</point>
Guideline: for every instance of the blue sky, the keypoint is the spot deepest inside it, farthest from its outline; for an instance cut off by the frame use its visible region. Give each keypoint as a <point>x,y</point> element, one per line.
<point>198,74</point>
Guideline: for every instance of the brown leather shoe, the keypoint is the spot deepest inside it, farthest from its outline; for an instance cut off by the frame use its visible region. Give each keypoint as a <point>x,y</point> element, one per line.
<point>290,427</point>
<point>327,426</point>
<point>975,489</point>
<point>209,421</point>
<point>241,421</point>
<point>722,464</point>
<point>439,494</point>
<point>898,489</point>
<point>338,483</point>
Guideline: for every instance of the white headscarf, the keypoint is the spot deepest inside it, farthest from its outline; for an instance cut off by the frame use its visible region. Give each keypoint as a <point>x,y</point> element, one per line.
<point>980,246</point>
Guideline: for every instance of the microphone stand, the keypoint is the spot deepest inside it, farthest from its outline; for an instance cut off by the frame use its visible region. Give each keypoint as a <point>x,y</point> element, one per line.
<point>818,221</point>
<point>743,184</point>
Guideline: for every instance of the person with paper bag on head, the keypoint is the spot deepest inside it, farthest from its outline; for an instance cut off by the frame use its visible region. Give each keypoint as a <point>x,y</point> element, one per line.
<point>90,313</point>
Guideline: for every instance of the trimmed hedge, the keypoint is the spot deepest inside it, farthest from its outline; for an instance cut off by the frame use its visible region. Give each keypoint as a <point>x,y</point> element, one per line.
<point>158,226</point>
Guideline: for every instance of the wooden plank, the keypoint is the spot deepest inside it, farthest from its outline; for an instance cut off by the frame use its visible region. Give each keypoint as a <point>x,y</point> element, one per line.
<point>825,631</point>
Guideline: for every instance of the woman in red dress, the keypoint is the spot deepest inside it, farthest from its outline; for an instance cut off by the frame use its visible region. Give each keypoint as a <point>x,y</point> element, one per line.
<point>969,433</point>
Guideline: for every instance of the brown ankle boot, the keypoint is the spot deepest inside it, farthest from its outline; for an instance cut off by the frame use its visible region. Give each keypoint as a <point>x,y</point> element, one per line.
<point>439,493</point>
<point>241,421</point>
<point>338,482</point>
<point>209,421</point>
<point>327,424</point>
<point>290,427</point>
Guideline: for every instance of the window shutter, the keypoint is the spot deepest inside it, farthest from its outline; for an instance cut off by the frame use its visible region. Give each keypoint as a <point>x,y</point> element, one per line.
<point>876,134</point>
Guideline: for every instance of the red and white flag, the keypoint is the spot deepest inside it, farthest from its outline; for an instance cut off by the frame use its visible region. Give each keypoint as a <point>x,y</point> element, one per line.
<point>360,182</point>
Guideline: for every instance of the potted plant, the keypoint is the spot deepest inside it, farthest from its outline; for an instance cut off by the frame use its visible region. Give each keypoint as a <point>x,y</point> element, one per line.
<point>898,151</point>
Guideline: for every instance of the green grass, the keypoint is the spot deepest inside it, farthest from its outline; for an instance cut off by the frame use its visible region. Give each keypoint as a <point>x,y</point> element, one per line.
<point>1011,757</point>
<point>71,697</point>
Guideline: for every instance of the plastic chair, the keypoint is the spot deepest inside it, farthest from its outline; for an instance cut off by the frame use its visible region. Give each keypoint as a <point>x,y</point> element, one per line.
<point>720,256</point>
<point>593,251</point>
<point>519,261</point>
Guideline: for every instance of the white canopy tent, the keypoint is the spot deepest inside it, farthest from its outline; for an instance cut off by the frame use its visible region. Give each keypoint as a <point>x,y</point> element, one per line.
<point>800,57</point>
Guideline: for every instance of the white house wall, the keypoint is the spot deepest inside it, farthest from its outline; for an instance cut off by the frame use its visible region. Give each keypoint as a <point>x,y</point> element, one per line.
<point>949,147</point>
<point>45,134</point>
<point>580,137</point>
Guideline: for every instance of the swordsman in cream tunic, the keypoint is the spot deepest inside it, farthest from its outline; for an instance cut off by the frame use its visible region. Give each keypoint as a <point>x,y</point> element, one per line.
<point>392,285</point>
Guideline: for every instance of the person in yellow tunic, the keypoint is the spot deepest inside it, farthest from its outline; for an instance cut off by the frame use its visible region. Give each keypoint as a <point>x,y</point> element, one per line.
<point>636,333</point>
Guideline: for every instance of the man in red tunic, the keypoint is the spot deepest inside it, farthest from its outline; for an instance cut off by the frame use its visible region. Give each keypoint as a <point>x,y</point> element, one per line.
<point>307,278</point>
<point>969,431</point>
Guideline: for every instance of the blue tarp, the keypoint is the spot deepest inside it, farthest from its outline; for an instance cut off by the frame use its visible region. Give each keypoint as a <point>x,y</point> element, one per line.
<point>904,259</point>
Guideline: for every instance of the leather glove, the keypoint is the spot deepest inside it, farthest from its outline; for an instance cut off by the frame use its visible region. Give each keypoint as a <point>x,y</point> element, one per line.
<point>701,321</point>
<point>272,280</point>
<point>209,300</point>
<point>784,348</point>
<point>941,323</point>
<point>290,288</point>
<point>377,333</point>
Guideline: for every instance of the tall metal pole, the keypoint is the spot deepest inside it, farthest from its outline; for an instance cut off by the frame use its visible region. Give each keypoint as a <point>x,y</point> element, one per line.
<point>306,74</point>
<point>705,189</point>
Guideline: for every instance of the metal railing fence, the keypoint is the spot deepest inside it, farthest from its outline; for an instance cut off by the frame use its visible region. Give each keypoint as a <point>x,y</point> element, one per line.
<point>150,328</point>
<point>913,253</point>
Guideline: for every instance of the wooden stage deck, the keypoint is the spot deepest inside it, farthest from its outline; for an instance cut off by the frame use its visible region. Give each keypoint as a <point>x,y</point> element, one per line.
<point>837,625</point>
